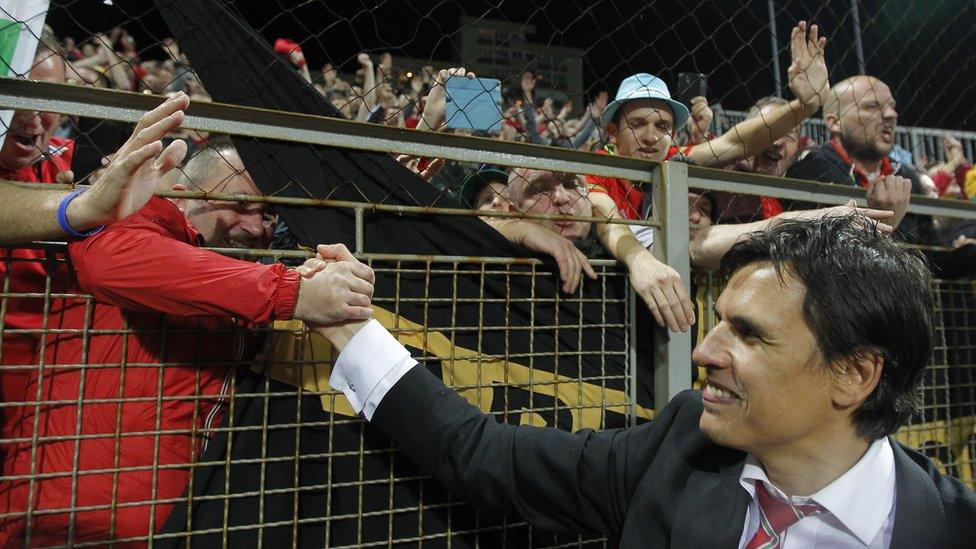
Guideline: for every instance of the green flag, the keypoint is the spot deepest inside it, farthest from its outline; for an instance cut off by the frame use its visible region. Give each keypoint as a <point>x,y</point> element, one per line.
<point>21,22</point>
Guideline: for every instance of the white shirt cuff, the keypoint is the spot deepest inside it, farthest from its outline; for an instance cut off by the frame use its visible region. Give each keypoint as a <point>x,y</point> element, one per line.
<point>369,367</point>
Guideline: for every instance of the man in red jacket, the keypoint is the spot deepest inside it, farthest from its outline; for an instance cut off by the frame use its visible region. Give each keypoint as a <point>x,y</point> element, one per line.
<point>130,397</point>
<point>31,154</point>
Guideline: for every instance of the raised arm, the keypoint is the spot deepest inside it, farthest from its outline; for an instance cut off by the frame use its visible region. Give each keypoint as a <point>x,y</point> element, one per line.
<point>711,242</point>
<point>530,122</point>
<point>588,120</point>
<point>122,189</point>
<point>122,266</point>
<point>810,84</point>
<point>435,111</point>
<point>369,87</point>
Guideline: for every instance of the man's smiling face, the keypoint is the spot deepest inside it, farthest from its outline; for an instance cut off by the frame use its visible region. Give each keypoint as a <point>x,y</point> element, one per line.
<point>767,383</point>
<point>230,224</point>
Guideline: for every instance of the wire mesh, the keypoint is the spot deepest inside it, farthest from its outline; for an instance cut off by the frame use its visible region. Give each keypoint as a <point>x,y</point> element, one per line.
<point>133,428</point>
<point>139,430</point>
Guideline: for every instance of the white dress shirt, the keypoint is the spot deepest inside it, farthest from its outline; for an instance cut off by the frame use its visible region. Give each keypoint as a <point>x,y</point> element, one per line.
<point>860,504</point>
<point>369,366</point>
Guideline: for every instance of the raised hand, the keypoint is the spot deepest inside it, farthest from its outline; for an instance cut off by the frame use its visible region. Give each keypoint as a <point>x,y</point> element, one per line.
<point>436,108</point>
<point>953,152</point>
<point>547,111</point>
<point>891,192</point>
<point>528,82</point>
<point>808,71</point>
<point>130,178</point>
<point>597,106</point>
<point>565,110</point>
<point>701,119</point>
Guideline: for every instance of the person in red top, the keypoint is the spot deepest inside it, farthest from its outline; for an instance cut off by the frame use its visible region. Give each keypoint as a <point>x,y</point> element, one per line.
<point>126,453</point>
<point>643,118</point>
<point>31,154</point>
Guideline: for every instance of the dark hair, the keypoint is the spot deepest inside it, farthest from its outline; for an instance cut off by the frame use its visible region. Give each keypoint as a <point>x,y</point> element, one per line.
<point>762,102</point>
<point>864,295</point>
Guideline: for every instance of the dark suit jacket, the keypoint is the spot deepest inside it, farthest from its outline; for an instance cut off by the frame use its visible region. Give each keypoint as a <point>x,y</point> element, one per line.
<point>662,484</point>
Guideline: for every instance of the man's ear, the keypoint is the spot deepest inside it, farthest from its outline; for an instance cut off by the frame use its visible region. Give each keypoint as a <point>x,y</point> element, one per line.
<point>832,121</point>
<point>858,379</point>
<point>612,132</point>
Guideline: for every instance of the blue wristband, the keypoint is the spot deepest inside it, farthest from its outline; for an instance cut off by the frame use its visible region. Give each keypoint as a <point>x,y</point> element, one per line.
<point>63,216</point>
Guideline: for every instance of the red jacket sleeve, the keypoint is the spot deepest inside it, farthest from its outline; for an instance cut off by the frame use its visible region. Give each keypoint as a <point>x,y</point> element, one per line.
<point>140,265</point>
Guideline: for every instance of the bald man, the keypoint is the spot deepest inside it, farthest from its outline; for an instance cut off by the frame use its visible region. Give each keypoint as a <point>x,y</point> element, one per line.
<point>860,114</point>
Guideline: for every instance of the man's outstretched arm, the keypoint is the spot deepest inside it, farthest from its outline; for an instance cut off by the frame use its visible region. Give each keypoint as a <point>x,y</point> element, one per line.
<point>711,243</point>
<point>659,285</point>
<point>557,481</point>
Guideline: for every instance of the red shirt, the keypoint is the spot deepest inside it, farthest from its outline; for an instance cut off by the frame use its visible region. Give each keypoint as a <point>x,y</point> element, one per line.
<point>183,306</point>
<point>624,194</point>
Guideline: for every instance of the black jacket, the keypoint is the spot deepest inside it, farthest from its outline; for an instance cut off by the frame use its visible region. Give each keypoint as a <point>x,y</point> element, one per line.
<point>825,165</point>
<point>662,484</point>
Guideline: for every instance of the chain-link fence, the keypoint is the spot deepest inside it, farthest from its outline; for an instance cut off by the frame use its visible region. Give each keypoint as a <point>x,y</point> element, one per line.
<point>145,401</point>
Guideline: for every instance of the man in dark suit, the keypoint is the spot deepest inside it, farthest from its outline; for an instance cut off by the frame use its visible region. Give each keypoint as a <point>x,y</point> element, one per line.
<point>824,331</point>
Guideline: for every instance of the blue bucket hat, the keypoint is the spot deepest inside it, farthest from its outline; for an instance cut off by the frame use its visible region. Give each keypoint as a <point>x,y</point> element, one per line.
<point>645,86</point>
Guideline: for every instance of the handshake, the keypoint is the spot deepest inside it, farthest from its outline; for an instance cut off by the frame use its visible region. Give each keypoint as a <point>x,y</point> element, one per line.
<point>335,294</point>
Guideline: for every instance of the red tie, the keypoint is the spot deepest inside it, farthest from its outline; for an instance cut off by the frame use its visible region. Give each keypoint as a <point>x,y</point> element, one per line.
<point>775,517</point>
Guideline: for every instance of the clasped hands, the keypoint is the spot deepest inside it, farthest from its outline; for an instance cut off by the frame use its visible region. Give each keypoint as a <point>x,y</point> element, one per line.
<point>336,293</point>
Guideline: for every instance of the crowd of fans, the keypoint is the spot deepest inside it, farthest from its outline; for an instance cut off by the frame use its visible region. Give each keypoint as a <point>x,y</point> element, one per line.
<point>380,92</point>
<point>119,267</point>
